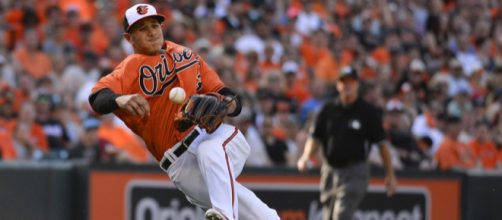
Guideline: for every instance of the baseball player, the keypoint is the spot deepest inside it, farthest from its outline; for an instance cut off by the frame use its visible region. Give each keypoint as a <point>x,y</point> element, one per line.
<point>202,156</point>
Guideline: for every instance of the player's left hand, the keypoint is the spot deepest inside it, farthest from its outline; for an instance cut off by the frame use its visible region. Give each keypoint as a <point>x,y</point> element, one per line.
<point>207,110</point>
<point>391,185</point>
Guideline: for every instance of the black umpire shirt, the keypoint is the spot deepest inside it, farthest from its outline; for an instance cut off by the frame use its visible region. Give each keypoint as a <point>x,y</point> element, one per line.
<point>347,132</point>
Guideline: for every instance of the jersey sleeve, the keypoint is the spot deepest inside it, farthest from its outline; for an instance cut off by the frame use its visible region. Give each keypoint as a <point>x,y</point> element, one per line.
<point>211,82</point>
<point>119,80</point>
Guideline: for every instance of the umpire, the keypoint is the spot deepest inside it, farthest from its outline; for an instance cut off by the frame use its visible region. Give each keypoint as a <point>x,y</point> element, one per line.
<point>345,129</point>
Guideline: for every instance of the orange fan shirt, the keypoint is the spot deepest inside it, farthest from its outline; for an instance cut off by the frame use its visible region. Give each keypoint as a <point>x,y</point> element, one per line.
<point>153,77</point>
<point>452,153</point>
<point>486,152</point>
<point>37,64</point>
<point>125,141</point>
<point>7,150</point>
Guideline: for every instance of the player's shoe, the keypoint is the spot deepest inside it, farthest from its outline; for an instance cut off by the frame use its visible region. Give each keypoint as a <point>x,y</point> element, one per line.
<point>213,214</point>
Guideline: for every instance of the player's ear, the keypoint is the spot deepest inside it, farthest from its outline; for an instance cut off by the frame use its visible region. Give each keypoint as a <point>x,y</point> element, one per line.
<point>127,36</point>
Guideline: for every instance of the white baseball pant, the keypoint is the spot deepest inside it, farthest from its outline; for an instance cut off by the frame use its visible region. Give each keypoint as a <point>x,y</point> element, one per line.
<point>206,173</point>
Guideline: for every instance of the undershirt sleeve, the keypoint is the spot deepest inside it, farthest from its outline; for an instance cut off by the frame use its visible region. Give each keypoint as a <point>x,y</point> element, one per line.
<point>103,101</point>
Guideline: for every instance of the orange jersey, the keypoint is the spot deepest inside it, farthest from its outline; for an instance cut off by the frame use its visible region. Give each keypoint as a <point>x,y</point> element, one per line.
<point>153,77</point>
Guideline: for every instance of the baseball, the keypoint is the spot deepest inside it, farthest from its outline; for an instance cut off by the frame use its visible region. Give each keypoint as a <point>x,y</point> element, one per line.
<point>177,95</point>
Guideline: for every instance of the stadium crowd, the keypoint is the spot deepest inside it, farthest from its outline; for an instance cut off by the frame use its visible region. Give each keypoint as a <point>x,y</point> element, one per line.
<point>434,67</point>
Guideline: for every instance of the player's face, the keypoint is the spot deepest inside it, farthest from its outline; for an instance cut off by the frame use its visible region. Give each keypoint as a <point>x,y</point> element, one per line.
<point>146,36</point>
<point>348,88</point>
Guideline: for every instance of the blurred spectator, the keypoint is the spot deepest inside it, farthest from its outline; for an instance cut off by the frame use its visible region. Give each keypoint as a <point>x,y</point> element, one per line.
<point>73,26</point>
<point>494,115</point>
<point>438,88</point>
<point>477,81</point>
<point>120,145</point>
<point>494,81</point>
<point>453,154</point>
<point>318,92</point>
<point>76,75</point>
<point>295,89</point>
<point>257,40</point>
<point>276,84</point>
<point>52,15</point>
<point>47,117</point>
<point>460,104</point>
<point>248,72</point>
<point>81,99</point>
<point>483,147</point>
<point>372,93</point>
<point>30,139</point>
<point>232,20</point>
<point>56,43</point>
<point>315,52</point>
<point>457,81</point>
<point>268,63</point>
<point>408,97</point>
<point>266,102</point>
<point>88,148</point>
<point>328,63</point>
<point>7,97</point>
<point>30,58</point>
<point>397,127</point>
<point>416,78</point>
<point>7,74</point>
<point>83,8</point>
<point>274,139</point>
<point>308,21</point>
<point>424,145</point>
<point>294,137</point>
<point>258,157</point>
<point>466,54</point>
<point>427,124</point>
<point>7,150</point>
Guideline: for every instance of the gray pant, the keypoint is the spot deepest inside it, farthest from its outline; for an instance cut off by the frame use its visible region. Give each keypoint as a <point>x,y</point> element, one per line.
<point>342,190</point>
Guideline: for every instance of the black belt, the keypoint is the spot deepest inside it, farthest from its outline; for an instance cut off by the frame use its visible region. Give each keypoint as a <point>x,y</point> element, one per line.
<point>182,147</point>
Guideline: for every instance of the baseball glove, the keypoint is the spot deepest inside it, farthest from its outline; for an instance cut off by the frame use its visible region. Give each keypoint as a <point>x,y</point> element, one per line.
<point>207,110</point>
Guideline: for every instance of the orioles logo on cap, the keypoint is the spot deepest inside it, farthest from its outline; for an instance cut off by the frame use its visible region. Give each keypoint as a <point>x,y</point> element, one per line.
<point>143,9</point>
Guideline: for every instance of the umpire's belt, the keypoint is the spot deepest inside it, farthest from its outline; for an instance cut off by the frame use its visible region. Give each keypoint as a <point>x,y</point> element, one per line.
<point>178,149</point>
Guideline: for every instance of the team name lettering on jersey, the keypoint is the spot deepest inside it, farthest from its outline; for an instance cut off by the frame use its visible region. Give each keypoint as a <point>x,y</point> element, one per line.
<point>154,80</point>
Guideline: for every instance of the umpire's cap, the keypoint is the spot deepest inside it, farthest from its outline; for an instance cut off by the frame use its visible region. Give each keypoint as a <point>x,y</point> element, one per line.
<point>138,12</point>
<point>348,72</point>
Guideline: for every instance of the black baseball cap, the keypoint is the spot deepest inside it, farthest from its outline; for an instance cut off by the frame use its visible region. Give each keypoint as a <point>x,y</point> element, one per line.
<point>138,12</point>
<point>348,72</point>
